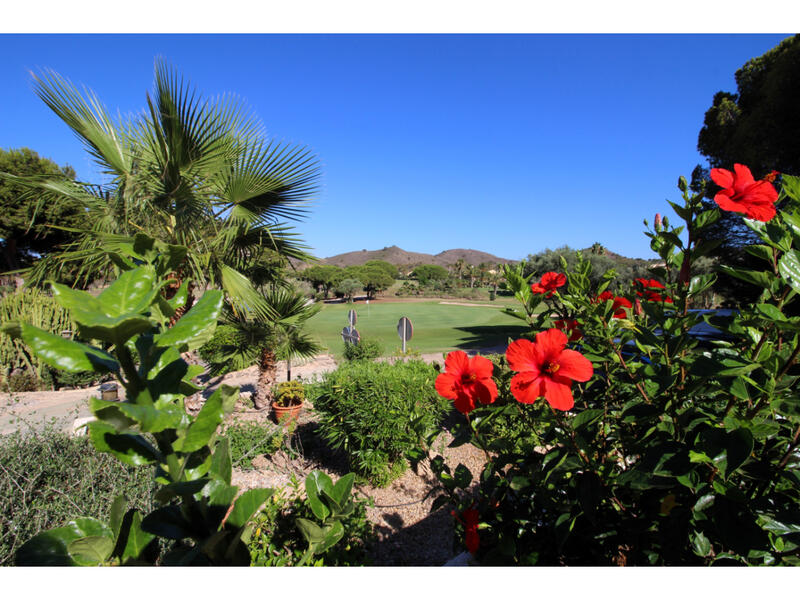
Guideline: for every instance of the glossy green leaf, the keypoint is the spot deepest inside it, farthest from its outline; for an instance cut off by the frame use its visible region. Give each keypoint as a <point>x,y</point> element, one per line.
<point>92,550</point>
<point>167,522</point>
<point>221,465</point>
<point>789,268</point>
<point>313,533</point>
<point>131,293</point>
<point>246,506</point>
<point>62,353</point>
<point>762,279</point>
<point>343,488</point>
<point>137,539</point>
<point>205,425</point>
<point>50,548</point>
<point>133,450</point>
<point>586,417</point>
<point>196,327</point>
<point>700,544</point>
<point>462,476</point>
<point>333,534</point>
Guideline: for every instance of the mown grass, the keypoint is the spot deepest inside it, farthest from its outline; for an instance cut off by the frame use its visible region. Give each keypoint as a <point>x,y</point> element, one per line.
<point>437,327</point>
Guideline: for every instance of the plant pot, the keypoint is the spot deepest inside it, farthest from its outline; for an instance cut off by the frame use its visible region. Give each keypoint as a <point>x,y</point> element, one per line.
<point>286,414</point>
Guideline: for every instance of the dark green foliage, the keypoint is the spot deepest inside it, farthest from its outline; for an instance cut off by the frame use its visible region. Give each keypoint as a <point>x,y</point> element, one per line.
<point>277,540</point>
<point>426,274</point>
<point>215,349</point>
<point>366,349</point>
<point>249,439</point>
<point>48,477</point>
<point>367,409</point>
<point>290,393</point>
<point>23,221</point>
<point>81,379</point>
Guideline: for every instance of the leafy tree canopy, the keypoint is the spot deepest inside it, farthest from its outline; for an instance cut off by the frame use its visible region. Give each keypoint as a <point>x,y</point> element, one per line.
<point>428,273</point>
<point>24,231</point>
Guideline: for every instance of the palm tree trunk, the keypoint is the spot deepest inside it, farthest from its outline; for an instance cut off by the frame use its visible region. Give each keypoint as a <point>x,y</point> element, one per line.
<point>288,369</point>
<point>267,374</point>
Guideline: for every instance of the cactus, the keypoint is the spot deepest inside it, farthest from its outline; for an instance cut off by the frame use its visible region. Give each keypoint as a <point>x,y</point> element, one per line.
<point>40,310</point>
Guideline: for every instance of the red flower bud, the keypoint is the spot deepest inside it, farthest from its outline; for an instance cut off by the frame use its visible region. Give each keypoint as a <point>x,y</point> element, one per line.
<point>658,221</point>
<point>637,308</point>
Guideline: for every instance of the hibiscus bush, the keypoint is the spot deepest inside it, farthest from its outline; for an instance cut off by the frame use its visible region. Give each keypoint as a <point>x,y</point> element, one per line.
<point>637,430</point>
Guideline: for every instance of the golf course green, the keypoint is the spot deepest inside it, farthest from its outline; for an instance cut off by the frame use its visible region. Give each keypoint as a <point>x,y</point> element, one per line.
<point>437,326</point>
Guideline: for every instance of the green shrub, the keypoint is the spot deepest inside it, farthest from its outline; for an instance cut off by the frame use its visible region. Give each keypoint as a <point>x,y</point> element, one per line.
<point>212,351</point>
<point>290,393</point>
<point>249,439</point>
<point>46,478</point>
<point>376,411</point>
<point>81,379</point>
<point>276,540</point>
<point>366,349</point>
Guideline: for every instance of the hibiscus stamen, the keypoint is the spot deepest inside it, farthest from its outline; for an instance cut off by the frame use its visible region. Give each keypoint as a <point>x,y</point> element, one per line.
<point>467,378</point>
<point>551,367</point>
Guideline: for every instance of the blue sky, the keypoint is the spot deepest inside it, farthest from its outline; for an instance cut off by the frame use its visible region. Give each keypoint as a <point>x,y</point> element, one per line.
<point>504,143</point>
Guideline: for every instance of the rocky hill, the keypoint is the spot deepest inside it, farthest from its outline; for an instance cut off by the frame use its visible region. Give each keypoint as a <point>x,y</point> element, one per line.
<point>398,256</point>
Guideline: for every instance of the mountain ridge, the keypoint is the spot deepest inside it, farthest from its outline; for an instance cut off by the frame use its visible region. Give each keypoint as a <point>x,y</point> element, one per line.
<point>397,256</point>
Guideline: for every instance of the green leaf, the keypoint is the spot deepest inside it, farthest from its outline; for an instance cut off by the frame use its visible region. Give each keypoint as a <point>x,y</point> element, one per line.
<point>246,506</point>
<point>117,514</point>
<point>762,279</point>
<point>789,268</point>
<point>167,522</point>
<point>50,548</point>
<point>196,327</point>
<point>137,539</point>
<point>92,550</point>
<point>131,293</point>
<point>221,465</point>
<point>61,353</point>
<point>313,533</point>
<point>133,450</point>
<point>586,417</point>
<point>463,476</point>
<point>343,488</point>
<point>700,544</point>
<point>205,425</point>
<point>332,536</point>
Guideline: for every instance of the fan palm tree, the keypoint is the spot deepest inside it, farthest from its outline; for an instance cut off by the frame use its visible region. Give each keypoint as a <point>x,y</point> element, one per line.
<point>265,341</point>
<point>187,171</point>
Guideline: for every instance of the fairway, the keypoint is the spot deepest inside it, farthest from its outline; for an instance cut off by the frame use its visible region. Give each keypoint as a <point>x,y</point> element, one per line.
<point>437,327</point>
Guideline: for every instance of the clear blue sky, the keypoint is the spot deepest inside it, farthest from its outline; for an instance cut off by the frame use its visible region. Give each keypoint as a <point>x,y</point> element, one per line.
<point>504,143</point>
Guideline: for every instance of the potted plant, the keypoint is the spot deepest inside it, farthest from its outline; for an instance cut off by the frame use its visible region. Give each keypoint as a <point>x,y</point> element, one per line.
<point>288,401</point>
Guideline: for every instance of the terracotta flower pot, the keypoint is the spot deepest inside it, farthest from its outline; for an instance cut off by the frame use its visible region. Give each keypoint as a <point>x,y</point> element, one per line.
<point>286,414</point>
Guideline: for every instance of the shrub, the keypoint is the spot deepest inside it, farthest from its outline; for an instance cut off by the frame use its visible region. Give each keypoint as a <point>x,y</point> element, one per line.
<point>249,439</point>
<point>652,439</point>
<point>374,411</point>
<point>277,541</point>
<point>47,477</point>
<point>290,393</point>
<point>366,349</point>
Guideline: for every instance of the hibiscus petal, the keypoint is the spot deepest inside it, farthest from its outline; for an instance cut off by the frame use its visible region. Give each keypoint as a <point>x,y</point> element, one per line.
<point>521,356</point>
<point>446,385</point>
<point>457,363</point>
<point>464,403</point>
<point>527,387</point>
<point>722,177</point>
<point>550,343</point>
<point>725,202</point>
<point>575,365</point>
<point>481,367</point>
<point>558,394</point>
<point>760,212</point>
<point>743,175</point>
<point>485,390</point>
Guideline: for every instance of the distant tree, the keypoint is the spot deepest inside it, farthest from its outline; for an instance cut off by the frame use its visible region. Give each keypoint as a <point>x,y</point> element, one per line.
<point>458,268</point>
<point>24,231</point>
<point>323,277</point>
<point>348,287</point>
<point>373,278</point>
<point>426,274</point>
<point>384,266</point>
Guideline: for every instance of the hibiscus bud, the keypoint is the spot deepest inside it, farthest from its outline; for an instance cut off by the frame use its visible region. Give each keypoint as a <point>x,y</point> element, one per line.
<point>657,222</point>
<point>665,222</point>
<point>637,308</point>
<point>682,184</point>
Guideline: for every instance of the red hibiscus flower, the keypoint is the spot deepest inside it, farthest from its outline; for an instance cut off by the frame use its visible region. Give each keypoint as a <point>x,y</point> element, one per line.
<point>548,284</point>
<point>619,305</point>
<point>742,194</point>
<point>546,369</point>
<point>647,292</point>
<point>569,326</point>
<point>470,519</point>
<point>467,381</point>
